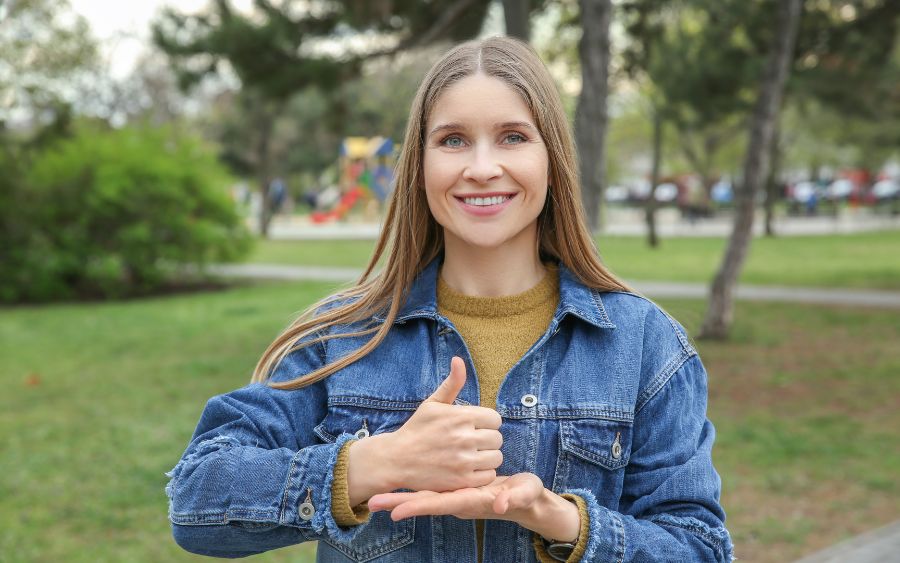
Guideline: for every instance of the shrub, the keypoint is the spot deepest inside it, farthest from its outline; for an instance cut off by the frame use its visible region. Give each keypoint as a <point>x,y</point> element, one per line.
<point>113,213</point>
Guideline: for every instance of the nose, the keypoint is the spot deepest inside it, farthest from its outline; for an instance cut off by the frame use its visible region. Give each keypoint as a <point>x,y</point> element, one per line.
<point>483,165</point>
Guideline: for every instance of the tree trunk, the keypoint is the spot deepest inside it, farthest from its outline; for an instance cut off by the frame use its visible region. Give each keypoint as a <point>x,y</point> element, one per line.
<point>772,181</point>
<point>650,205</point>
<point>263,172</point>
<point>590,115</point>
<point>719,315</point>
<point>515,12</point>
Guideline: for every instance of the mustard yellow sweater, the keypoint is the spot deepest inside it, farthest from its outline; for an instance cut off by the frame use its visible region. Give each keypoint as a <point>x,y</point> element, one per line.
<point>497,331</point>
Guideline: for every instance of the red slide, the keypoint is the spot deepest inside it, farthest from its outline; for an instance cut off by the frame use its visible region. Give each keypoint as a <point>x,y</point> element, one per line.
<point>347,201</point>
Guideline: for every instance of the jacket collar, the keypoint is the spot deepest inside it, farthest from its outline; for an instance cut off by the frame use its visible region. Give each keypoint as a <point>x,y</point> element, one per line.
<point>574,298</point>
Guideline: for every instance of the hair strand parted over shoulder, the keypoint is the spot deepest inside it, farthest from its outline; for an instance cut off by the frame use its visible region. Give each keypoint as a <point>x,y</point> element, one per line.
<point>411,238</point>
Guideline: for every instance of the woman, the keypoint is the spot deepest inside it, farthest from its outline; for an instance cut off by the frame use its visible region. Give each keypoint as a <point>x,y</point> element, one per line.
<point>572,423</point>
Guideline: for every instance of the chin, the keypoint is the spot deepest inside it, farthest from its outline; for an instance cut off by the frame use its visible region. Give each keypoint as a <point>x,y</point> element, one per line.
<point>491,243</point>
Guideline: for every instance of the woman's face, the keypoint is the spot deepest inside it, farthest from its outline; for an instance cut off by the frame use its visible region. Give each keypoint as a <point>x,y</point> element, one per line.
<point>486,167</point>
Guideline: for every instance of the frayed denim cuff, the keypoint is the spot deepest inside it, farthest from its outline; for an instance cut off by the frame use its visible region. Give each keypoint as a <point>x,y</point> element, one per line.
<point>310,477</point>
<point>606,539</point>
<point>318,467</point>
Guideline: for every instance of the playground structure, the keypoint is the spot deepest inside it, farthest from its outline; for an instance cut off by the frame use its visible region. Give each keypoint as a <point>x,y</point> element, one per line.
<point>366,171</point>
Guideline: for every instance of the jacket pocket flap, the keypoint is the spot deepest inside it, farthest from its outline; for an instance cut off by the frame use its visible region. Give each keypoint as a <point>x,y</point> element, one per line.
<point>603,442</point>
<point>358,420</point>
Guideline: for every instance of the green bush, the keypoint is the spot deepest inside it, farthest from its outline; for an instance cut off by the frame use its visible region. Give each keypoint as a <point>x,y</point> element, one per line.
<point>113,213</point>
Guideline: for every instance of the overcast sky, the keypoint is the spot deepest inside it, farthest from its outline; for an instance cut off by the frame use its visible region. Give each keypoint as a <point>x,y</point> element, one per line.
<point>124,27</point>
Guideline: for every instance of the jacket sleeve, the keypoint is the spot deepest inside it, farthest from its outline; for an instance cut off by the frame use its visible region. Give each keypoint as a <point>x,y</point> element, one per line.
<point>669,509</point>
<point>252,462</point>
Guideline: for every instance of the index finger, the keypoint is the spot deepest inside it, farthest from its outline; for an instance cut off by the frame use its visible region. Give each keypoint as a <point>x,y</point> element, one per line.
<point>456,503</point>
<point>482,417</point>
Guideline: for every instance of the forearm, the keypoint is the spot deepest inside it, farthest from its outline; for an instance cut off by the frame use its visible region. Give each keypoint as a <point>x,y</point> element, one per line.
<point>552,517</point>
<point>232,500</point>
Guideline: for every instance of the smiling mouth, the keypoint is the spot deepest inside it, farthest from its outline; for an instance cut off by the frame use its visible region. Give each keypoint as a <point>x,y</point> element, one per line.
<point>485,201</point>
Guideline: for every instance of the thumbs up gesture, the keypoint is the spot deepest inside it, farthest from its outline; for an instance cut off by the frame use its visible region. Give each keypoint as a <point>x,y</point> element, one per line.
<point>444,447</point>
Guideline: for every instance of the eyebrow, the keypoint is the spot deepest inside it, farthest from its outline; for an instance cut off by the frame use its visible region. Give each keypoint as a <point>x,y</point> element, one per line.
<point>454,126</point>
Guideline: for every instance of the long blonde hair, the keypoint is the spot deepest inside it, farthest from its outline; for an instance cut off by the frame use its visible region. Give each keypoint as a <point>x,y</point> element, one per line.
<point>411,238</point>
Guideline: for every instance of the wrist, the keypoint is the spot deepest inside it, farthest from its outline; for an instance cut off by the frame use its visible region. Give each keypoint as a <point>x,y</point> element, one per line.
<point>553,517</point>
<point>369,470</point>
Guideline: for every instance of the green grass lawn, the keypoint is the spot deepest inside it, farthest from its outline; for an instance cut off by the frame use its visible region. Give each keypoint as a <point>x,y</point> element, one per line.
<point>100,400</point>
<point>866,260</point>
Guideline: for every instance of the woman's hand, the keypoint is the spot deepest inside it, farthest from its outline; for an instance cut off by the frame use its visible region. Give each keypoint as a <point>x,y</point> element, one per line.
<point>505,498</point>
<point>520,498</point>
<point>442,447</point>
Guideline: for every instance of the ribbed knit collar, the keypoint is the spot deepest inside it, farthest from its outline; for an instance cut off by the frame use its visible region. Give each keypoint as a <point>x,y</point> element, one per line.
<point>574,298</point>
<point>490,307</point>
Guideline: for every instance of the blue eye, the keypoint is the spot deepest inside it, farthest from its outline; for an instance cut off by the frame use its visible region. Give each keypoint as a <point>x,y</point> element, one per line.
<point>515,138</point>
<point>453,141</point>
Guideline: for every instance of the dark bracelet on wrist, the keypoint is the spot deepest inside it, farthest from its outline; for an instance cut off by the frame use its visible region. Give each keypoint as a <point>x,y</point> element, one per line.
<point>557,550</point>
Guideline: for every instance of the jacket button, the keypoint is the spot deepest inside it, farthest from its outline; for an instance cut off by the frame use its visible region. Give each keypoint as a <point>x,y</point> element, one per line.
<point>617,447</point>
<point>306,511</point>
<point>306,508</point>
<point>529,400</point>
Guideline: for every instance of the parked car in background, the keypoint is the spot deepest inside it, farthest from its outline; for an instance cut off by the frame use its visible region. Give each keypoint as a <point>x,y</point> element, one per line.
<point>802,192</point>
<point>616,194</point>
<point>885,190</point>
<point>840,189</point>
<point>665,192</point>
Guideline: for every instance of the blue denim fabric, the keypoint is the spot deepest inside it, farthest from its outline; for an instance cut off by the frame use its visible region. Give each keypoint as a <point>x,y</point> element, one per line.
<point>612,368</point>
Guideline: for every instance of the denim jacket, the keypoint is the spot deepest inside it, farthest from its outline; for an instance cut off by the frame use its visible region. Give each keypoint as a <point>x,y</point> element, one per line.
<point>620,419</point>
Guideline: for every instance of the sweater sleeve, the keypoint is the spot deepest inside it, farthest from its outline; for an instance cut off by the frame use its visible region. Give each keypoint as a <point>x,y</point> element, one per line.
<point>583,532</point>
<point>343,513</point>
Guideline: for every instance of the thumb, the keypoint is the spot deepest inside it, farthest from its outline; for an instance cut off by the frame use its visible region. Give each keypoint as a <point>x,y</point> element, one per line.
<point>452,385</point>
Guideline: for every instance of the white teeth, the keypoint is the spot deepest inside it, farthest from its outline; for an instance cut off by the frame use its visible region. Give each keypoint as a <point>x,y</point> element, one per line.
<point>485,201</point>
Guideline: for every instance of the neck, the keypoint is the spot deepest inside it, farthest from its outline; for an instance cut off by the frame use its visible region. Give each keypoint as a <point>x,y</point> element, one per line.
<point>490,272</point>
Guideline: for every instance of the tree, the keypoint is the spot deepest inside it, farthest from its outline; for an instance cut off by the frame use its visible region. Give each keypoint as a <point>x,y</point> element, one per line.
<point>279,50</point>
<point>702,57</point>
<point>46,58</point>
<point>591,118</point>
<point>842,91</point>
<point>516,16</point>
<point>719,315</point>
<point>848,63</point>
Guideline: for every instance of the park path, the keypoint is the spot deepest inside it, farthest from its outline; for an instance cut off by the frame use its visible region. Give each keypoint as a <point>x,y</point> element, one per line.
<point>621,222</point>
<point>655,289</point>
<point>878,546</point>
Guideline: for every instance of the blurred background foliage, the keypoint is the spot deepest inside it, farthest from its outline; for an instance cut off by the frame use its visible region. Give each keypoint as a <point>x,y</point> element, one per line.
<point>115,183</point>
<point>109,212</point>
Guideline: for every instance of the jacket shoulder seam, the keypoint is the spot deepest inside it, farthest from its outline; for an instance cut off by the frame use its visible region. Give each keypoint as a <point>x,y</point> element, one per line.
<point>663,377</point>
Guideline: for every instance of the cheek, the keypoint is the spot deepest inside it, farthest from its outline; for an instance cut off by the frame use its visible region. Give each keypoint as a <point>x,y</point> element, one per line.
<point>533,174</point>
<point>438,174</point>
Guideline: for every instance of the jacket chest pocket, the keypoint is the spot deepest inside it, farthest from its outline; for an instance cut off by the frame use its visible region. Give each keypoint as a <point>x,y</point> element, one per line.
<point>380,534</point>
<point>593,454</point>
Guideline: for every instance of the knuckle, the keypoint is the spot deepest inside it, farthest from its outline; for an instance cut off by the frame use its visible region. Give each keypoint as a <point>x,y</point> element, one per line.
<point>463,462</point>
